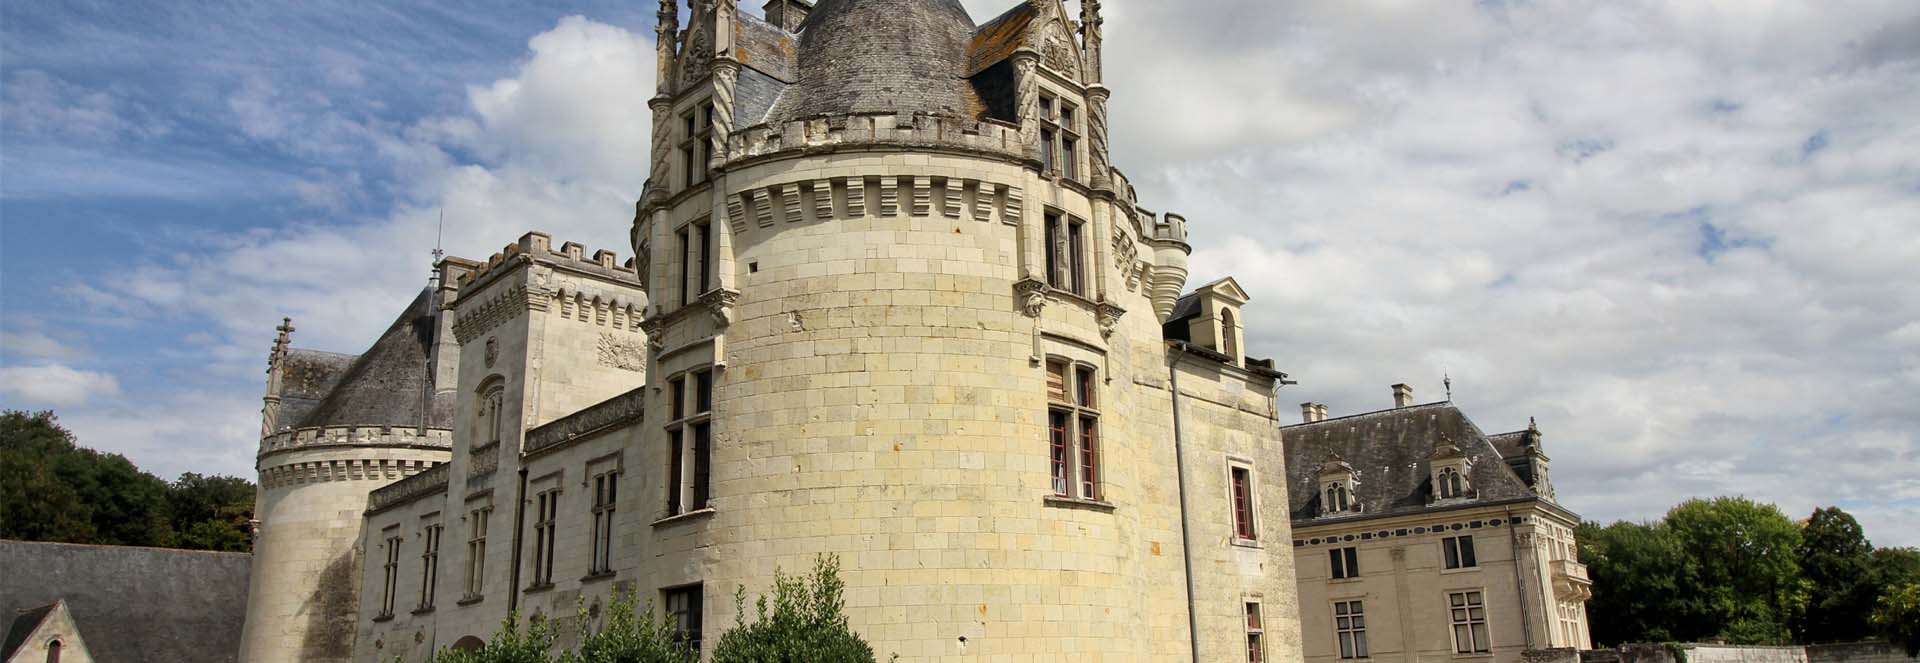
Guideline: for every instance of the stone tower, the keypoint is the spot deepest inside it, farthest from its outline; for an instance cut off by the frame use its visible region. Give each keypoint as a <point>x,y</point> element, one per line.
<point>930,314</point>
<point>334,427</point>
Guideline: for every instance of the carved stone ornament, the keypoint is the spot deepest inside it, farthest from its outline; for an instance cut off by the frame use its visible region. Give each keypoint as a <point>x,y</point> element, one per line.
<point>1109,318</point>
<point>698,54</point>
<point>656,330</point>
<point>1057,50</point>
<point>1032,295</point>
<point>720,305</point>
<point>624,353</point>
<point>493,351</point>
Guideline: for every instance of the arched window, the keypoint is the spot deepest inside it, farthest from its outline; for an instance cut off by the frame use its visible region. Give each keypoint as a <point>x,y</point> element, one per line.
<point>492,411</point>
<point>1228,343</point>
<point>469,644</point>
<point>1338,498</point>
<point>53,652</point>
<point>1451,484</point>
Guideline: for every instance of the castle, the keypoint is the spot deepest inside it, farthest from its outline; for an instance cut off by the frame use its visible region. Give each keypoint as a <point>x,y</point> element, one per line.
<point>890,301</point>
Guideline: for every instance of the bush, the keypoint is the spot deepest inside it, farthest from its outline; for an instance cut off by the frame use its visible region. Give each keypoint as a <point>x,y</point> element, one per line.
<point>804,624</point>
<point>627,635</point>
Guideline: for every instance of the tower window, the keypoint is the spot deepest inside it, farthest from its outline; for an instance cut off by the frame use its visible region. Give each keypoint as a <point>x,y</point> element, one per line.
<point>1073,430</point>
<point>1241,478</point>
<point>429,564</point>
<point>1066,246</point>
<point>477,522</point>
<point>1059,138</point>
<point>547,511</point>
<point>391,574</point>
<point>683,608</point>
<point>690,437</point>
<point>1256,635</point>
<point>696,131</point>
<point>1338,499</point>
<point>606,490</point>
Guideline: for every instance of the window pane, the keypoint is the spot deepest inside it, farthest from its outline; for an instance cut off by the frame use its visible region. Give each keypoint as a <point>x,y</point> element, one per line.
<point>1089,459</point>
<point>1353,562</point>
<point>1057,423</point>
<point>703,391</point>
<point>1466,554</point>
<point>1452,554</point>
<point>1084,387</point>
<point>1339,571</point>
<point>702,463</point>
<point>1075,249</point>
<point>1360,644</point>
<point>1057,381</point>
<point>676,459</point>
<point>1052,249</point>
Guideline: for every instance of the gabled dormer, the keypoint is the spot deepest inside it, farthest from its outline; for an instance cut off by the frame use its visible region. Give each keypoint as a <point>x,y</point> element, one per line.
<point>1448,467</point>
<point>1338,481</point>
<point>1209,317</point>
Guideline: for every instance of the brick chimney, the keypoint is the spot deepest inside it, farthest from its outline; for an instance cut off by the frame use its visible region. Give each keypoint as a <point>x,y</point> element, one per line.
<point>1402,395</point>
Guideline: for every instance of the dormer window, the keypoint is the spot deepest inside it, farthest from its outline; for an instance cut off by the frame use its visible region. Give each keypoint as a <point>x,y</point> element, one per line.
<point>1059,138</point>
<point>1449,466</point>
<point>1336,487</point>
<point>1339,499</point>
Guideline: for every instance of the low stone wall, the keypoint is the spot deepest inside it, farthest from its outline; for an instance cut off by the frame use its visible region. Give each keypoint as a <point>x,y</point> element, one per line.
<point>1850,652</point>
<point>1859,652</point>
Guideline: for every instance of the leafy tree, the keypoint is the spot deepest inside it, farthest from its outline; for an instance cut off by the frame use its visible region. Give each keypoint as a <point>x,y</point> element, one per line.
<point>511,644</point>
<point>211,512</point>
<point>57,491</point>
<point>1893,567</point>
<point>1897,617</point>
<point>630,635</point>
<point>1749,580</point>
<point>805,623</point>
<point>1643,584</point>
<point>1836,558</point>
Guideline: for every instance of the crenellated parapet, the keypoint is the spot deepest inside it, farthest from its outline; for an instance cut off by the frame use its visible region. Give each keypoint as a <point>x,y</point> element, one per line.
<point>883,129</point>
<point>481,308</point>
<point>887,195</point>
<point>432,481</point>
<point>395,437</point>
<point>538,246</point>
<point>1168,237</point>
<point>355,469</point>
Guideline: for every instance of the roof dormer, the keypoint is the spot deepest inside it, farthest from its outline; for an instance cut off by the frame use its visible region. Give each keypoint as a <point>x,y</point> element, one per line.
<point>1449,466</point>
<point>1215,323</point>
<point>1337,483</point>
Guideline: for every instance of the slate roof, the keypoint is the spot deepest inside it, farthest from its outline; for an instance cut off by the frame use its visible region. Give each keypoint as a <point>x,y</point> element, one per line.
<point>387,384</point>
<point>880,56</point>
<point>23,625</point>
<point>134,605</point>
<point>1388,451</point>
<point>306,377</point>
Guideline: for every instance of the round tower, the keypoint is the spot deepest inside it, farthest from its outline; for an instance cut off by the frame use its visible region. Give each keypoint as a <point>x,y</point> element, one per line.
<point>891,298</point>
<point>334,428</point>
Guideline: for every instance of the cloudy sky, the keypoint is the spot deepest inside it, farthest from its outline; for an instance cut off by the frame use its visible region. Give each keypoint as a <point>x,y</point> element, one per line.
<point>1684,235</point>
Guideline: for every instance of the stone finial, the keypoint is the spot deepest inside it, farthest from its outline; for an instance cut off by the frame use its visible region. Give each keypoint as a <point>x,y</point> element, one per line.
<point>281,342</point>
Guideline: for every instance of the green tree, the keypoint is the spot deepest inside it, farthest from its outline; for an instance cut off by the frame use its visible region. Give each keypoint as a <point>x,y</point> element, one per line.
<point>211,512</point>
<point>1893,567</point>
<point>513,643</point>
<point>804,624</point>
<point>1897,617</point>
<point>1836,559</point>
<point>1749,581</point>
<point>630,635</point>
<point>57,491</point>
<point>1642,584</point>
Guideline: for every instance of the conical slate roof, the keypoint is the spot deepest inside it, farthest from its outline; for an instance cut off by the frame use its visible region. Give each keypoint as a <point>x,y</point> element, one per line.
<point>389,384</point>
<point>879,56</point>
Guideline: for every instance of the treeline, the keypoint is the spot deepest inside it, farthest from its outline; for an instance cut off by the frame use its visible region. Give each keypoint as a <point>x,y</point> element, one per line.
<point>53,489</point>
<point>1733,570</point>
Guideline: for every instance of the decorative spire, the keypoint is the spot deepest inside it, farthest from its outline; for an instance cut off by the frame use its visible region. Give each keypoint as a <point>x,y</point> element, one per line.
<point>665,32</point>
<point>280,343</point>
<point>1091,37</point>
<point>270,404</point>
<point>1448,381</point>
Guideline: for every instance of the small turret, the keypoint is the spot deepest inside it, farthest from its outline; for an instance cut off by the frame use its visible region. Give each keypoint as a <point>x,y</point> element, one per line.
<point>1170,251</point>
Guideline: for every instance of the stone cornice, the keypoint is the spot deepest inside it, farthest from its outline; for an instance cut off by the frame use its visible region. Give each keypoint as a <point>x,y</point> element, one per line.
<point>595,419</point>
<point>406,491</point>
<point>405,437</point>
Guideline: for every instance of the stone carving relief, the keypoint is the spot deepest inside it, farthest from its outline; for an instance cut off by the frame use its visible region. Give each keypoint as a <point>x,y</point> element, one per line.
<point>697,56</point>
<point>720,305</point>
<point>1109,318</point>
<point>622,353</point>
<point>1032,295</point>
<point>493,351</point>
<point>1056,48</point>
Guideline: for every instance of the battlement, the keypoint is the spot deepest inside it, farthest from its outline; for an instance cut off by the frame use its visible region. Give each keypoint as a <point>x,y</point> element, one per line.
<point>429,482</point>
<point>1170,227</point>
<point>407,437</point>
<point>538,246</point>
<point>918,130</point>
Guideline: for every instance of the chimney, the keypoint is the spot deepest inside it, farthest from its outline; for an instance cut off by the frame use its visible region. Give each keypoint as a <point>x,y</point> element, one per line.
<point>787,14</point>
<point>1306,413</point>
<point>1320,412</point>
<point>1402,395</point>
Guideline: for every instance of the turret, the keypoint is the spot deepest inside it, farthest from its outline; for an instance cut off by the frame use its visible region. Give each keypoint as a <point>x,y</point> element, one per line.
<point>1170,251</point>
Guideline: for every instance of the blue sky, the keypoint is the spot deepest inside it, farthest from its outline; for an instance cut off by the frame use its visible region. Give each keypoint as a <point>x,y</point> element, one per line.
<point>1682,235</point>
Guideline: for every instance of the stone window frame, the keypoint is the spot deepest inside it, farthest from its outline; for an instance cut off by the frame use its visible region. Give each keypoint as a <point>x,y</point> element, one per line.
<point>1467,609</point>
<point>686,619</point>
<point>1060,136</point>
<point>53,650</point>
<point>1066,240</point>
<point>696,142</point>
<point>695,238</point>
<point>1450,483</point>
<point>546,527</point>
<point>479,520</point>
<point>1250,536</point>
<point>606,494</point>
<point>1337,498</point>
<point>1457,557</point>
<point>1074,448</point>
<point>1350,629</point>
<point>1256,630</point>
<point>493,399</point>
<point>689,440</point>
<point>390,581</point>
<point>430,535</point>
<point>1343,563</point>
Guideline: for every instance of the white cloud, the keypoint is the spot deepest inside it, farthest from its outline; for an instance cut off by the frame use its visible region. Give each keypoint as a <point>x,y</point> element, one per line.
<point>55,385</point>
<point>32,344</point>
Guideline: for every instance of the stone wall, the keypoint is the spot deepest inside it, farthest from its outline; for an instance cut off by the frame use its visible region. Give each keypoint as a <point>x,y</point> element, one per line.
<point>1848,652</point>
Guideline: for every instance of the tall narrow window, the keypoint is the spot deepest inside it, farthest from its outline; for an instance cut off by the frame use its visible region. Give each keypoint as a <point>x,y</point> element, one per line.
<point>684,606</point>
<point>1469,616</point>
<point>496,420</point>
<point>1350,628</point>
<point>1451,484</point>
<point>1073,430</point>
<point>547,511</point>
<point>686,265</point>
<point>1048,131</point>
<point>606,490</point>
<point>1338,499</point>
<point>1076,257</point>
<point>1229,342</point>
<point>1346,562</point>
<point>53,652</point>
<point>1458,551</point>
<point>1056,272</point>
<point>1059,139</point>
<point>696,131</point>
<point>1243,516</point>
<point>429,564</point>
<point>477,522</point>
<point>1256,635</point>
<point>392,575</point>
<point>690,434</point>
<point>1066,250</point>
<point>705,265</point>
<point>1069,143</point>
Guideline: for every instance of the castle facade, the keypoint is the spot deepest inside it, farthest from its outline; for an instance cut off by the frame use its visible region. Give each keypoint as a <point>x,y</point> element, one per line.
<point>890,301</point>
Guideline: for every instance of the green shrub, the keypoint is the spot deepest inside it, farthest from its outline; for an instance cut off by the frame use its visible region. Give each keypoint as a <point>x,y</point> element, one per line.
<point>805,623</point>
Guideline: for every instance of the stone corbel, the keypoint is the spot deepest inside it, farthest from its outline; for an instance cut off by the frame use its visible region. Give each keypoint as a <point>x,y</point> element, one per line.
<point>1109,318</point>
<point>1031,293</point>
<point>656,330</point>
<point>720,303</point>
